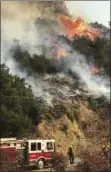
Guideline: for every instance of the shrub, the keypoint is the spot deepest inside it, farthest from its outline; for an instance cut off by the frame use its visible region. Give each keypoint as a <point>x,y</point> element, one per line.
<point>71,115</point>
<point>59,162</point>
<point>64,128</point>
<point>8,165</point>
<point>94,161</point>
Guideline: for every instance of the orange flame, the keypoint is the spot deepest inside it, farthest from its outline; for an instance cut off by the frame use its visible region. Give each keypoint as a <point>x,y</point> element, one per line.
<point>94,69</point>
<point>77,27</point>
<point>59,52</point>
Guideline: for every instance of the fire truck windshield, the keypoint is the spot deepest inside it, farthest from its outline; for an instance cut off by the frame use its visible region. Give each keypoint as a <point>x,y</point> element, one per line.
<point>49,145</point>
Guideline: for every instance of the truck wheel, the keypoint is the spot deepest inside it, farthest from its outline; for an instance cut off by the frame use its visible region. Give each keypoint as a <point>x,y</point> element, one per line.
<point>40,164</point>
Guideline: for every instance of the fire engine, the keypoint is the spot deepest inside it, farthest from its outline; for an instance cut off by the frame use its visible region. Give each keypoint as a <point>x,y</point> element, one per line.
<point>35,152</point>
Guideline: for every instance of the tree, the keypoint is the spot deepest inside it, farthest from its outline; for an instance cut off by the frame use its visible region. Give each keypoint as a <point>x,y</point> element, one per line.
<point>19,108</point>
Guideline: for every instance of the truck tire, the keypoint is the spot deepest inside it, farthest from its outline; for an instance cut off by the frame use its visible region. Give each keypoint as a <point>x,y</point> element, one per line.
<point>40,164</point>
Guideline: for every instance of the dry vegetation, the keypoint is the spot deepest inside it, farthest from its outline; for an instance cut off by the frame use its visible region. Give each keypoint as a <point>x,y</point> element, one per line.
<point>95,160</point>
<point>59,163</point>
<point>9,165</point>
<point>88,132</point>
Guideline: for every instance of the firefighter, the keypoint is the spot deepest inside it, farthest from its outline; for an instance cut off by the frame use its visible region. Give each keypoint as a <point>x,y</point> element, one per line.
<point>71,155</point>
<point>106,150</point>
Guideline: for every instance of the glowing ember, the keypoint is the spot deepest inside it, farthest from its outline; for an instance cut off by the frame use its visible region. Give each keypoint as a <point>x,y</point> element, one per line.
<point>77,27</point>
<point>93,69</point>
<point>59,52</point>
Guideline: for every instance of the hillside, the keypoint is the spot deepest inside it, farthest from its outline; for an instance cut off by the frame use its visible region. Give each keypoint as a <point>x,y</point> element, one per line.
<point>73,114</point>
<point>54,77</point>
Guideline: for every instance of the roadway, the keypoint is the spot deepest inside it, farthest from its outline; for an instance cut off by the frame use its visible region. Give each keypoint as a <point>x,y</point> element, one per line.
<point>70,168</point>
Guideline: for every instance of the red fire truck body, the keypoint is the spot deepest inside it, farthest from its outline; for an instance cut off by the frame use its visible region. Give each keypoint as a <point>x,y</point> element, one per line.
<point>10,153</point>
<point>8,149</point>
<point>38,152</point>
<point>11,142</point>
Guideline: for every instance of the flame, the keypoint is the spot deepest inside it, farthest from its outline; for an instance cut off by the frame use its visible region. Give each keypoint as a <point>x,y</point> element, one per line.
<point>93,69</point>
<point>59,52</point>
<point>77,27</point>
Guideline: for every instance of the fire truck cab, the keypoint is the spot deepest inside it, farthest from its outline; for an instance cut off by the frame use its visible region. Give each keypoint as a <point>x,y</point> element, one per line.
<point>38,152</point>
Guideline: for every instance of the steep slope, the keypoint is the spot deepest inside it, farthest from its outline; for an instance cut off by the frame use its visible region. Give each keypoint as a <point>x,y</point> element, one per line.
<point>65,62</point>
